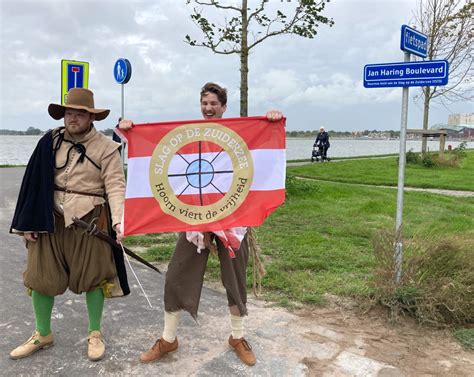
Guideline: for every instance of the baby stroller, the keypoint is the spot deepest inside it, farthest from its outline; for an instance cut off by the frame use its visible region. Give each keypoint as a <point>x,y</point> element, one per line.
<point>318,153</point>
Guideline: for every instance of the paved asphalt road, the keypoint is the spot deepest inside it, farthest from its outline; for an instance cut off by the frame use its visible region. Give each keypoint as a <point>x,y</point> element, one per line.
<point>280,339</point>
<point>130,326</point>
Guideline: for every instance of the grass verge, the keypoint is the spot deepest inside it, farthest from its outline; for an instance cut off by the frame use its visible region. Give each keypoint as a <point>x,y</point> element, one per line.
<point>321,240</point>
<point>384,171</point>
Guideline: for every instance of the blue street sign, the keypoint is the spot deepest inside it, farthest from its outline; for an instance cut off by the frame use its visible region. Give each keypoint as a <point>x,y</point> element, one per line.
<point>413,41</point>
<point>425,73</point>
<point>122,71</point>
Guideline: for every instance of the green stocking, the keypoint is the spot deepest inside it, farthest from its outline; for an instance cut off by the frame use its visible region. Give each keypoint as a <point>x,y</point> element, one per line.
<point>95,305</point>
<point>43,306</point>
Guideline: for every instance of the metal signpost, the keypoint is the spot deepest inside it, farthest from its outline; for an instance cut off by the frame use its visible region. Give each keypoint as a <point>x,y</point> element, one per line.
<point>74,74</point>
<point>122,74</point>
<point>398,253</point>
<point>405,74</point>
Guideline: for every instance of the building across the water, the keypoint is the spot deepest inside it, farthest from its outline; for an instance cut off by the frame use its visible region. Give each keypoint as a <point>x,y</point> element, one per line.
<point>457,119</point>
<point>460,126</point>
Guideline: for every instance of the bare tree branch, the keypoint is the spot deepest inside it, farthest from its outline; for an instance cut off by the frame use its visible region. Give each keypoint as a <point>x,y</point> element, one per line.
<point>449,27</point>
<point>215,4</point>
<point>232,36</point>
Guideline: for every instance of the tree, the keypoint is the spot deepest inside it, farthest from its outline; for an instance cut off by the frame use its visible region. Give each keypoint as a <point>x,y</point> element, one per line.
<point>449,27</point>
<point>33,131</point>
<point>233,36</point>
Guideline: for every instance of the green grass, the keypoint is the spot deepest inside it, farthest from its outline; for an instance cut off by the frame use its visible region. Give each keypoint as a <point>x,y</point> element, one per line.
<point>328,246</point>
<point>321,241</point>
<point>153,247</point>
<point>385,172</point>
<point>465,337</point>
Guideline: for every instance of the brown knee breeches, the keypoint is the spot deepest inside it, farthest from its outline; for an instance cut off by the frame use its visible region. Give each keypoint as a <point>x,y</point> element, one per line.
<point>69,258</point>
<point>185,275</point>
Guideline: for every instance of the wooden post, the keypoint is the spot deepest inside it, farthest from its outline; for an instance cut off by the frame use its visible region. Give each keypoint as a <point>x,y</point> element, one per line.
<point>442,133</point>
<point>442,141</point>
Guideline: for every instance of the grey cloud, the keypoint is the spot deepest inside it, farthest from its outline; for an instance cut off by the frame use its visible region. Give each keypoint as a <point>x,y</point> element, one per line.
<point>312,81</point>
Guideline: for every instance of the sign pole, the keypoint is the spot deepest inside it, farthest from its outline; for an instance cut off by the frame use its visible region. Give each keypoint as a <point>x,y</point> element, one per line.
<point>122,117</point>
<point>122,74</point>
<point>406,74</point>
<point>123,102</point>
<point>398,255</point>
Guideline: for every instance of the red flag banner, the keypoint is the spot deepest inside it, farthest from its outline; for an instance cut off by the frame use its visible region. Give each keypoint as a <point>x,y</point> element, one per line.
<point>203,175</point>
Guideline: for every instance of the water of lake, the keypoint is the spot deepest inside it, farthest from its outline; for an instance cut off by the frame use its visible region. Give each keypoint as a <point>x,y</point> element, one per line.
<point>16,150</point>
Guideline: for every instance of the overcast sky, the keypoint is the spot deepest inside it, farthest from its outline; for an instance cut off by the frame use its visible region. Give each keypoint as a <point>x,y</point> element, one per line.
<point>315,82</point>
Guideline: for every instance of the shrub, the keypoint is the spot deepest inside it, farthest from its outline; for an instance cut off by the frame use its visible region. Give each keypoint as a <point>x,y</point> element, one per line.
<point>296,186</point>
<point>450,159</point>
<point>437,283</point>
<point>412,157</point>
<point>460,150</point>
<point>428,160</point>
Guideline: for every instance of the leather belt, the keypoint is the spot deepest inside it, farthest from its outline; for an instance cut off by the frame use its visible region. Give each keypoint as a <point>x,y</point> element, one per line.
<point>58,188</point>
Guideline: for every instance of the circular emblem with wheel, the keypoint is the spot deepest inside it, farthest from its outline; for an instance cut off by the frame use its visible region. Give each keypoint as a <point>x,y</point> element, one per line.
<point>201,173</point>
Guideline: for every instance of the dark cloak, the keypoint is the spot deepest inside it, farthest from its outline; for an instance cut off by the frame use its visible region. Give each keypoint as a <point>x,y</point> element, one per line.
<point>34,207</point>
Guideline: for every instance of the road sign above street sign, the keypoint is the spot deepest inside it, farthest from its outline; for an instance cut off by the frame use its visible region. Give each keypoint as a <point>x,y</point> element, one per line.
<point>424,73</point>
<point>74,74</point>
<point>122,71</point>
<point>413,41</point>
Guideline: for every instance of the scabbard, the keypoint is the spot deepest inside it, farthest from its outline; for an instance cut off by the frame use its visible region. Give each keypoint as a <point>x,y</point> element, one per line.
<point>93,230</point>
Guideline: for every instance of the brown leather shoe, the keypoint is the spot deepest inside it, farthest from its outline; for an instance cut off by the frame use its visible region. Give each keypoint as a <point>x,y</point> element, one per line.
<point>243,350</point>
<point>159,349</point>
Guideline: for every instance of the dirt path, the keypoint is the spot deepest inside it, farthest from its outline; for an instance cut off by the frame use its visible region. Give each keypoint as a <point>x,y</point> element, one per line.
<point>412,349</point>
<point>457,193</point>
<point>342,339</point>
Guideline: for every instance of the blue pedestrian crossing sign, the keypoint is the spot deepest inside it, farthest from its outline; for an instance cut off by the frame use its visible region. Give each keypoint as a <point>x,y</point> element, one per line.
<point>74,74</point>
<point>122,71</point>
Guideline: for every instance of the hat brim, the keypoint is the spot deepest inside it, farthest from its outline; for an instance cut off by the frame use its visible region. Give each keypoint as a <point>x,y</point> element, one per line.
<point>57,111</point>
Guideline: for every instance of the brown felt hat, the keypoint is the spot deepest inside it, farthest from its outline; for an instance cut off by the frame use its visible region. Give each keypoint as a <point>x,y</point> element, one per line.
<point>79,99</point>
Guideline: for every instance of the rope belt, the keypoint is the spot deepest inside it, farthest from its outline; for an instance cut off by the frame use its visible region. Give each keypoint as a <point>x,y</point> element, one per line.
<point>58,188</point>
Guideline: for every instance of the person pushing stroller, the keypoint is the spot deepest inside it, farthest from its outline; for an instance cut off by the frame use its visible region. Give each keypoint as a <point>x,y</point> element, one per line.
<point>321,146</point>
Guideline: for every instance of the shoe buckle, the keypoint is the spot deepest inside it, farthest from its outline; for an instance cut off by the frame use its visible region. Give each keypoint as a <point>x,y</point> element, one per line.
<point>157,345</point>
<point>246,345</point>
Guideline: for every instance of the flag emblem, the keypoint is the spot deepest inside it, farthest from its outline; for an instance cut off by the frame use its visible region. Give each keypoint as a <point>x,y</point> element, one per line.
<point>191,162</point>
<point>203,175</point>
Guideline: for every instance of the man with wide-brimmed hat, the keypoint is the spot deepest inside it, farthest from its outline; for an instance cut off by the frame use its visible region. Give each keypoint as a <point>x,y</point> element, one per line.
<point>74,171</point>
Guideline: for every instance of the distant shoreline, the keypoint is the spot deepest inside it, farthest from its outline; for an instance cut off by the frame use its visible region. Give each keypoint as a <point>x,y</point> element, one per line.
<point>108,133</point>
<point>38,132</point>
<point>377,138</point>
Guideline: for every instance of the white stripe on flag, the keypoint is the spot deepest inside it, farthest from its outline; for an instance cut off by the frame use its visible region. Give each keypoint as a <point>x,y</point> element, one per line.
<point>269,173</point>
